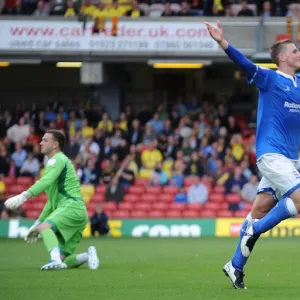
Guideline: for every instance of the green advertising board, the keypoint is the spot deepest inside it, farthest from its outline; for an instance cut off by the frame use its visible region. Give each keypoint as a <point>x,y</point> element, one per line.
<point>137,228</point>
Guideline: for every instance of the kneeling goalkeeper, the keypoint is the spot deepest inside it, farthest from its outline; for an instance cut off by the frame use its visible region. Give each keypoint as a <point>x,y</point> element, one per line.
<point>64,216</point>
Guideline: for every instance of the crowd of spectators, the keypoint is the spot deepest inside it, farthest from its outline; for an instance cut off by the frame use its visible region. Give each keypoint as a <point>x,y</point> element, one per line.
<point>162,147</point>
<point>152,8</point>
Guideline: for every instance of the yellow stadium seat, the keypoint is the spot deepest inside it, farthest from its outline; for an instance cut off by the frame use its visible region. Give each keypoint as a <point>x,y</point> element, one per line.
<point>86,198</point>
<point>145,173</point>
<point>88,189</point>
<point>2,187</point>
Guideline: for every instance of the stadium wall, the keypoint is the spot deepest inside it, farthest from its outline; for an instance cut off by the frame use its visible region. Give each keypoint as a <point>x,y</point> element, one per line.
<point>164,228</point>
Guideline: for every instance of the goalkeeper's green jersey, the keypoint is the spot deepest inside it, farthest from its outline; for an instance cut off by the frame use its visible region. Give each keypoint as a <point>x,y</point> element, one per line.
<point>61,184</point>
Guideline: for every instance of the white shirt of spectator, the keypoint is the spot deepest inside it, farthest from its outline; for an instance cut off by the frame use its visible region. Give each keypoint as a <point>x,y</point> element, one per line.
<point>197,193</point>
<point>18,134</point>
<point>94,148</point>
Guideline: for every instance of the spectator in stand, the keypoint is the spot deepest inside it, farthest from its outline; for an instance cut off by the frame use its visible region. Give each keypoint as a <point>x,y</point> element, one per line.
<point>197,192</point>
<point>71,11</point>
<point>151,156</point>
<point>99,222</point>
<point>135,11</point>
<point>268,10</point>
<point>168,12</point>
<point>185,9</point>
<point>181,197</point>
<point>4,162</point>
<point>72,147</point>
<point>90,174</point>
<point>171,149</point>
<point>86,130</point>
<point>107,150</point>
<point>50,115</point>
<point>41,124</point>
<point>16,9</point>
<point>90,146</point>
<point>195,166</point>
<point>114,192</point>
<point>125,174</point>
<point>30,167</point>
<point>135,135</point>
<point>19,157</point>
<point>247,173</point>
<point>245,10</point>
<point>176,179</point>
<point>32,139</point>
<point>5,122</point>
<point>106,123</point>
<point>41,10</point>
<point>217,11</point>
<point>235,182</point>
<point>149,134</point>
<point>158,177</point>
<point>249,190</point>
<point>60,123</point>
<point>107,172</point>
<point>157,124</point>
<point>123,122</point>
<point>87,9</point>
<point>233,127</point>
<point>186,149</point>
<point>237,147</point>
<point>18,133</point>
<point>74,123</point>
<point>145,115</point>
<point>116,139</point>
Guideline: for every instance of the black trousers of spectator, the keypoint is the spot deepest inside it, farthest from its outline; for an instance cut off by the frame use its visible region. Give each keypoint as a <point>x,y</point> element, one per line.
<point>100,228</point>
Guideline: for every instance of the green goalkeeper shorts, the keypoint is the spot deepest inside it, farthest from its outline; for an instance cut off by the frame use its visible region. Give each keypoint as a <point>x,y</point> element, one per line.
<point>68,223</point>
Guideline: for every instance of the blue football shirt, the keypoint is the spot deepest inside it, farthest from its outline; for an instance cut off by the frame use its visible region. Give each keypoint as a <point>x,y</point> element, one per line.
<point>278,114</point>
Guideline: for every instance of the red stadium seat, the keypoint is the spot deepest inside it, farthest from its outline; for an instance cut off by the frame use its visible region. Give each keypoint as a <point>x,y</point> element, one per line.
<point>233,198</point>
<point>38,206</point>
<point>136,190</point>
<point>33,214</point>
<point>131,198</point>
<point>208,214</point>
<point>109,206</point>
<point>153,190</point>
<point>15,189</point>
<point>223,206</point>
<point>241,213</point>
<point>98,198</point>
<point>121,214</point>
<point>142,206</point>
<point>189,180</point>
<point>139,214</point>
<point>173,214</point>
<point>195,206</point>
<point>171,190</point>
<point>177,206</point>
<point>9,180</point>
<point>216,197</point>
<point>91,206</point>
<point>126,205</point>
<point>248,206</point>
<point>100,189</point>
<point>24,180</point>
<point>212,206</point>
<point>141,182</point>
<point>160,206</point>
<point>149,197</point>
<point>43,197</point>
<point>156,214</point>
<point>166,198</point>
<point>219,189</point>
<point>225,214</point>
<point>190,214</point>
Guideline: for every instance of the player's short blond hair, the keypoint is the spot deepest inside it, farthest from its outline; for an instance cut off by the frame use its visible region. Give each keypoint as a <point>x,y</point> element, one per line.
<point>277,48</point>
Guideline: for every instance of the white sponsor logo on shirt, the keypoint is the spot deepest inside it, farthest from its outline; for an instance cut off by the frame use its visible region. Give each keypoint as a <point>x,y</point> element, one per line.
<point>51,161</point>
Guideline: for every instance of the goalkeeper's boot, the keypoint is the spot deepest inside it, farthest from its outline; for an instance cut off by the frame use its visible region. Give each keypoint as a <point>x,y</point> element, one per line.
<point>54,265</point>
<point>248,241</point>
<point>236,276</point>
<point>93,259</point>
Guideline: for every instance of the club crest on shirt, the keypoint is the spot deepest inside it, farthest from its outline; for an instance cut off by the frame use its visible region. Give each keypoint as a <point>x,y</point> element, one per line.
<point>51,162</point>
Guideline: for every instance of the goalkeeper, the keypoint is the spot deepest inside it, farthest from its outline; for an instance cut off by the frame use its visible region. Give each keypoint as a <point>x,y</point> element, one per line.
<point>64,216</point>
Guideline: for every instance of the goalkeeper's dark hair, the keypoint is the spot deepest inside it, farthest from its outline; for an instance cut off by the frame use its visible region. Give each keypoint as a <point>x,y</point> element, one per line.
<point>277,48</point>
<point>58,136</point>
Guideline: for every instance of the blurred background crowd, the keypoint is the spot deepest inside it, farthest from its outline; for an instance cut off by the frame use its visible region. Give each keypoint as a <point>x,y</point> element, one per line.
<point>151,8</point>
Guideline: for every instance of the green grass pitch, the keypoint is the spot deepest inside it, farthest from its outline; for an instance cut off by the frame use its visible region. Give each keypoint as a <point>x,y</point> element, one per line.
<point>142,269</point>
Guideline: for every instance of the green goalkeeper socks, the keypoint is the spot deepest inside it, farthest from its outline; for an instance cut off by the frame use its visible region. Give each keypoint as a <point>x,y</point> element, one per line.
<point>50,239</point>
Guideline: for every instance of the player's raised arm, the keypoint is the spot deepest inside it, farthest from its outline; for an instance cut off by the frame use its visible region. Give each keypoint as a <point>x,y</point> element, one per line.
<point>235,55</point>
